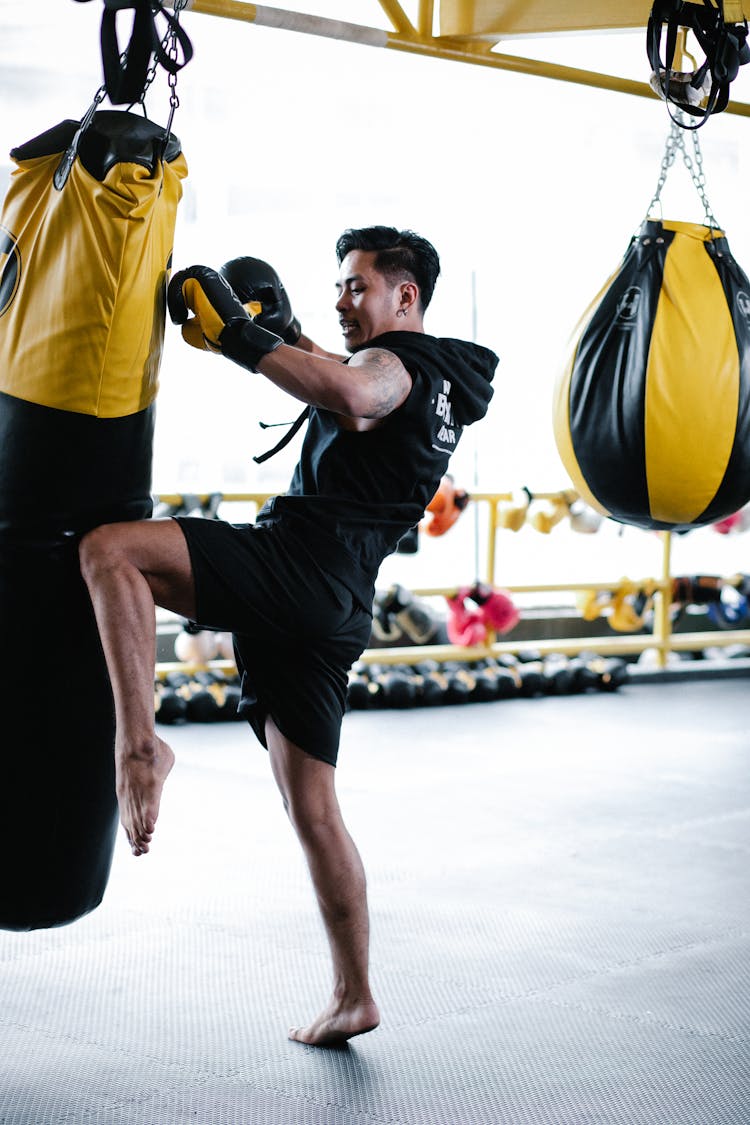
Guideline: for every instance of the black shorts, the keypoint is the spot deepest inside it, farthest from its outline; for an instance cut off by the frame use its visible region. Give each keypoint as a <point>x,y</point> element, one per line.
<point>297,629</point>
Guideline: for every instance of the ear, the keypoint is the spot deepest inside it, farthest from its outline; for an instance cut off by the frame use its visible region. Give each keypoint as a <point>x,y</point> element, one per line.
<point>408,295</point>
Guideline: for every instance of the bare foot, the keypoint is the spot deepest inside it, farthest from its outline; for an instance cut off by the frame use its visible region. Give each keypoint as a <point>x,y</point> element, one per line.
<point>337,1023</point>
<point>140,777</point>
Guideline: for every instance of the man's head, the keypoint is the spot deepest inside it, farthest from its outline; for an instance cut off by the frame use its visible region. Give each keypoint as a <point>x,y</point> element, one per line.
<point>386,282</point>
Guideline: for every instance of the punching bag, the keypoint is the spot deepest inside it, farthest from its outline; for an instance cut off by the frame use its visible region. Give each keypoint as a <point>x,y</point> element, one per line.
<point>652,413</point>
<point>86,237</point>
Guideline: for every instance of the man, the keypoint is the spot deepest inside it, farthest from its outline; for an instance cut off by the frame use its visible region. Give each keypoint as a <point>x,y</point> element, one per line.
<point>296,588</point>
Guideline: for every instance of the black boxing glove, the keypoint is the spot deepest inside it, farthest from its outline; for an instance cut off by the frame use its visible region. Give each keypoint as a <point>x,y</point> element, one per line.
<point>221,323</point>
<point>262,292</point>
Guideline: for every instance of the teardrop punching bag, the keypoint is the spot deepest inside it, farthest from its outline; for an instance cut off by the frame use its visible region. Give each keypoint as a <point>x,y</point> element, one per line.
<point>652,411</point>
<point>86,237</point>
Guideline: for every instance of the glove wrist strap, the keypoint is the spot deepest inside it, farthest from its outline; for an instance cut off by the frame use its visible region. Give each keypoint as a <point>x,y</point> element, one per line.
<point>245,342</point>
<point>292,332</point>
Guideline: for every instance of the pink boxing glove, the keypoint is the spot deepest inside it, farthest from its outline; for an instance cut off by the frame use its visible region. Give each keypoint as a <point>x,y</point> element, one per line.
<point>498,611</point>
<point>465,626</point>
<point>487,609</point>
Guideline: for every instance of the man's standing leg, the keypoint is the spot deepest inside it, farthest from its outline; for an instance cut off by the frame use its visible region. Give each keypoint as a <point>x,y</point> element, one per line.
<point>308,791</point>
<point>128,568</point>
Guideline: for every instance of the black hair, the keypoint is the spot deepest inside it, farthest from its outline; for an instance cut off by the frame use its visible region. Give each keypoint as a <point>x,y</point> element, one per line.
<point>399,254</point>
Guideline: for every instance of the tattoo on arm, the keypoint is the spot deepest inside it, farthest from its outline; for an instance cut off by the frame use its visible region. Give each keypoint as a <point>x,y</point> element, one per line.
<point>388,379</point>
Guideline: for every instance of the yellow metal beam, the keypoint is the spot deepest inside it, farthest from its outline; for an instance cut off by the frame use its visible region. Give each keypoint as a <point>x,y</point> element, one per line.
<point>626,645</point>
<point>226,9</point>
<point>572,646</point>
<point>505,19</point>
<point>662,618</point>
<point>426,18</point>
<point>456,52</point>
<point>544,588</point>
<point>423,43</point>
<point>693,642</point>
<point>398,17</point>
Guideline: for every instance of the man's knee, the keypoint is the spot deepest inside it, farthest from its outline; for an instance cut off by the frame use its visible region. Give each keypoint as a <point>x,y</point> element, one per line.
<point>96,548</point>
<point>306,784</point>
<point>312,809</point>
<point>315,816</point>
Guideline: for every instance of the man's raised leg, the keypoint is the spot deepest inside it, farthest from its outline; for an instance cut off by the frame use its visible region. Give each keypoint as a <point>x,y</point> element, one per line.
<point>308,791</point>
<point>129,568</point>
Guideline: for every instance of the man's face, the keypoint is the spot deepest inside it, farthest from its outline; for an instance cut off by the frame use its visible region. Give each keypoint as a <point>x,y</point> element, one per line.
<point>366,302</point>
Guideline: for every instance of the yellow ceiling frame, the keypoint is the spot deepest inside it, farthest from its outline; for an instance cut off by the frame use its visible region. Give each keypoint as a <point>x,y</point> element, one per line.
<point>471,29</point>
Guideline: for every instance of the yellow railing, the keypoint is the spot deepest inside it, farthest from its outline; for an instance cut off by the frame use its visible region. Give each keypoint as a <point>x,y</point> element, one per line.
<point>661,638</point>
<point>418,39</point>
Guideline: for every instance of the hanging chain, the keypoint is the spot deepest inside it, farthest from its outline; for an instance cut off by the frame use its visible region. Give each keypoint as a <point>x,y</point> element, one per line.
<point>667,161</point>
<point>694,165</point>
<point>99,97</point>
<point>698,176</point>
<point>170,48</point>
<point>150,76</point>
<point>172,51</point>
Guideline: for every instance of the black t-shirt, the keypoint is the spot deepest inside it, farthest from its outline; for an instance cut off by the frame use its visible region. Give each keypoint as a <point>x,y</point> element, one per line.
<point>353,495</point>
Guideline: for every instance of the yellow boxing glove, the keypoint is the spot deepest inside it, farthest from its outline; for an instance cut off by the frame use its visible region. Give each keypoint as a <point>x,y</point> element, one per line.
<point>221,322</point>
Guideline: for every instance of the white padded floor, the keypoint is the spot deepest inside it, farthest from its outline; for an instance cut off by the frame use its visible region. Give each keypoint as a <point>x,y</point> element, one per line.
<point>561,927</point>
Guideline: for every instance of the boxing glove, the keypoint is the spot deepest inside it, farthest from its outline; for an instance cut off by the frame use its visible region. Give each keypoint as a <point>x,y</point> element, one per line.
<point>465,625</point>
<point>223,324</point>
<point>445,507</point>
<point>262,292</point>
<point>497,609</point>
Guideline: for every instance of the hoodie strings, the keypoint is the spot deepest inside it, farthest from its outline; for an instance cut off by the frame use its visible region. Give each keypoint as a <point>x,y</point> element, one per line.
<point>295,426</point>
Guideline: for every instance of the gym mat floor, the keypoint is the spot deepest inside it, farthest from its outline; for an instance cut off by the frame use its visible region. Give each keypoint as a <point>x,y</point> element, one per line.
<point>560,916</point>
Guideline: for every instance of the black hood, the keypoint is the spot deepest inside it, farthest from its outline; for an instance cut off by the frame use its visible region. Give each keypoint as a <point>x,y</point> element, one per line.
<point>470,368</point>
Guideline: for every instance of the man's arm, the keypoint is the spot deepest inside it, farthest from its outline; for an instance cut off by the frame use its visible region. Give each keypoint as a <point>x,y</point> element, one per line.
<point>371,385</point>
<point>305,344</point>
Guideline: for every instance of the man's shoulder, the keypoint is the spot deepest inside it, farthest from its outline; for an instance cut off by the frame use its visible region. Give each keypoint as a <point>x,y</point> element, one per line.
<point>417,346</point>
<point>391,341</point>
<point>409,347</point>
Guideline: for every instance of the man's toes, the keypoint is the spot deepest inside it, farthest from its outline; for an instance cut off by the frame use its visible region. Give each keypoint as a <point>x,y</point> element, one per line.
<point>138,841</point>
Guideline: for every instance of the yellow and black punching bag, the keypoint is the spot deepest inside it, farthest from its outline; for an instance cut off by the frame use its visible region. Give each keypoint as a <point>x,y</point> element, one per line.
<point>652,412</point>
<point>86,236</point>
